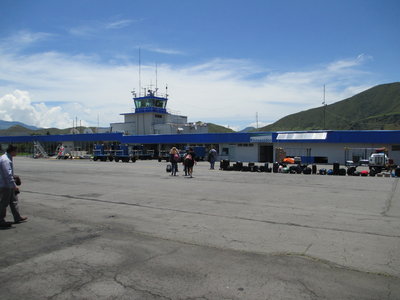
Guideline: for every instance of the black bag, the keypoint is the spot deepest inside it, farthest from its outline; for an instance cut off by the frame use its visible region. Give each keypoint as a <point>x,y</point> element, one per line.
<point>169,168</point>
<point>17,180</point>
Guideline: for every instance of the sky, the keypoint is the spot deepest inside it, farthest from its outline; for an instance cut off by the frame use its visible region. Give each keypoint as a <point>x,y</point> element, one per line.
<point>233,63</point>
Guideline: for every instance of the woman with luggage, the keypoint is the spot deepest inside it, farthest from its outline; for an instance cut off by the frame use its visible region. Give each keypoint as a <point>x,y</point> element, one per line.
<point>189,161</point>
<point>174,159</point>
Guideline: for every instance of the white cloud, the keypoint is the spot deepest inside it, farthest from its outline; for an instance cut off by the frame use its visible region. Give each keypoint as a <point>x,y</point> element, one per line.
<point>349,63</point>
<point>166,51</point>
<point>258,124</point>
<point>118,24</point>
<point>22,39</point>
<point>17,106</point>
<point>83,30</point>
<point>92,28</point>
<point>218,91</point>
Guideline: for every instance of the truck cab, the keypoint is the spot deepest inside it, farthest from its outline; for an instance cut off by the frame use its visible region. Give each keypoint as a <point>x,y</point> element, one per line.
<point>378,162</point>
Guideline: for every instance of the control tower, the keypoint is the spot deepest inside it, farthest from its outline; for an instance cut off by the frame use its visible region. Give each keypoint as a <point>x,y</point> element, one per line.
<point>151,117</point>
<point>150,103</point>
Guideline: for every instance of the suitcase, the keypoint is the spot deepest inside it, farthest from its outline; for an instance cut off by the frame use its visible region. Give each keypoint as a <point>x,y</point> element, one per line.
<point>238,166</point>
<point>169,168</point>
<point>224,164</point>
<point>336,167</point>
<point>314,169</point>
<point>351,170</point>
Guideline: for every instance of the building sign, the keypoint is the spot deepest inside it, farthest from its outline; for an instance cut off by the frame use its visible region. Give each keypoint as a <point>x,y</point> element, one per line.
<point>265,138</point>
<point>302,136</point>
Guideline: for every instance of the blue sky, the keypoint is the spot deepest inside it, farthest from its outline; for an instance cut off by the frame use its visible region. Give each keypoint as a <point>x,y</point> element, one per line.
<point>224,61</point>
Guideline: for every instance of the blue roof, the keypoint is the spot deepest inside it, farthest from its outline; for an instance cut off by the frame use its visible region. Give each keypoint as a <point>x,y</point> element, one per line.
<point>349,136</point>
<point>365,136</point>
<point>206,138</point>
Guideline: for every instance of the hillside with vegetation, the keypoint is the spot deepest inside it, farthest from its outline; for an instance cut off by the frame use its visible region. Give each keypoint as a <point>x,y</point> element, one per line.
<point>377,108</point>
<point>214,128</point>
<point>22,130</point>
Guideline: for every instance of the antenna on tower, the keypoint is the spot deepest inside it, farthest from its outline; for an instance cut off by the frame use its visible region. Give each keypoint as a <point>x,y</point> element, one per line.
<point>140,75</point>
<point>324,104</point>
<point>156,81</point>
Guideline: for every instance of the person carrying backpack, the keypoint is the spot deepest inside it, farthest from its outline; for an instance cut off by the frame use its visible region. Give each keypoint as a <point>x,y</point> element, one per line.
<point>174,159</point>
<point>212,157</point>
<point>189,161</point>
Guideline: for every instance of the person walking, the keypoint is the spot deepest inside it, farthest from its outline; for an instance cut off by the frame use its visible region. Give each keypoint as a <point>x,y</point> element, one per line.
<point>183,162</point>
<point>8,186</point>
<point>212,157</point>
<point>189,161</point>
<point>174,159</point>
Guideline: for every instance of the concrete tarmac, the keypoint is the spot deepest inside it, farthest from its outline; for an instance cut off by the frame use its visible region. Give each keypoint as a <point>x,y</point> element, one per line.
<point>106,230</point>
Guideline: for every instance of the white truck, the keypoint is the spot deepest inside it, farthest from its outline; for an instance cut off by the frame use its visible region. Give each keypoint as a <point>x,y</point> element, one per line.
<point>379,161</point>
<point>374,158</point>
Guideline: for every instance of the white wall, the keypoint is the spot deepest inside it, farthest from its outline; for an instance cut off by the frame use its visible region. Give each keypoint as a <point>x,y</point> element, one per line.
<point>126,128</point>
<point>176,119</point>
<point>148,123</point>
<point>334,152</point>
<point>242,153</point>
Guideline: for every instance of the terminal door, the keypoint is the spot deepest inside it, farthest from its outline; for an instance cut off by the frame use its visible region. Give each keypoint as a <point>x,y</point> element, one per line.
<point>266,153</point>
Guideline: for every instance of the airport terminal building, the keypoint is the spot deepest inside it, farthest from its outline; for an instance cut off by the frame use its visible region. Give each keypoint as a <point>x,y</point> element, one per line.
<point>312,146</point>
<point>151,127</point>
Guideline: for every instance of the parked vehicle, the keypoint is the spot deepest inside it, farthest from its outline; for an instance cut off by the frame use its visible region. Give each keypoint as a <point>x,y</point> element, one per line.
<point>113,152</point>
<point>380,161</point>
<point>376,159</point>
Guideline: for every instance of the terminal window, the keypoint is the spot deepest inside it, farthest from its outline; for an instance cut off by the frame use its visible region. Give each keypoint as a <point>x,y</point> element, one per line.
<point>395,147</point>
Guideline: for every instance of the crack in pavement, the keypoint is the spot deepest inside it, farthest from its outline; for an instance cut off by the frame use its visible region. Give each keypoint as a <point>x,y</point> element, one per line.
<point>135,288</point>
<point>389,294</point>
<point>389,200</point>
<point>326,262</point>
<point>308,247</point>
<point>220,216</point>
<point>309,291</point>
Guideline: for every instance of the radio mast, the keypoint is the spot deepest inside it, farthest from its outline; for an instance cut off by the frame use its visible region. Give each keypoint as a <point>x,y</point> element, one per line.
<point>140,76</point>
<point>324,104</point>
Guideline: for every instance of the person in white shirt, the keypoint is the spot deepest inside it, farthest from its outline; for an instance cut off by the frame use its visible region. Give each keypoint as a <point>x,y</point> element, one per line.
<point>212,157</point>
<point>8,186</point>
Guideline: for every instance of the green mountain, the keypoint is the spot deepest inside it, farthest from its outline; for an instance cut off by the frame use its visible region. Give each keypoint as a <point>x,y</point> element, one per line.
<point>21,130</point>
<point>377,108</point>
<point>8,124</point>
<point>16,130</point>
<point>248,129</point>
<point>214,128</point>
